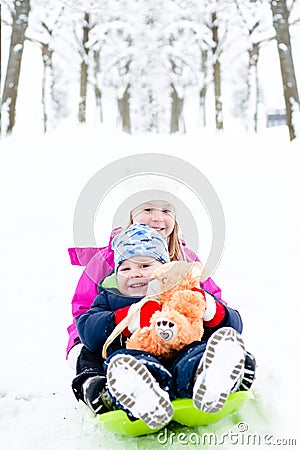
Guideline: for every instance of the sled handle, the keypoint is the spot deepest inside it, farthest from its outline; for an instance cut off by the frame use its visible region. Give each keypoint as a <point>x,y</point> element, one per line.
<point>122,325</point>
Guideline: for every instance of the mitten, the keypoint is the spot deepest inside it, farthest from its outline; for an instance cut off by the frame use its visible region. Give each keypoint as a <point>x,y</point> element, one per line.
<point>214,313</point>
<point>211,308</point>
<point>140,319</point>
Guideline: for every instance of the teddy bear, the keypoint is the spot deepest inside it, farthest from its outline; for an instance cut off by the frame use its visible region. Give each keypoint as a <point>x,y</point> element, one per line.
<point>176,286</point>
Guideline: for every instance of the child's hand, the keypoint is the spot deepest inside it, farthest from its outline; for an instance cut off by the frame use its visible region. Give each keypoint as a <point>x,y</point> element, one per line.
<point>210,308</point>
<point>134,323</point>
<point>214,313</point>
<point>140,319</point>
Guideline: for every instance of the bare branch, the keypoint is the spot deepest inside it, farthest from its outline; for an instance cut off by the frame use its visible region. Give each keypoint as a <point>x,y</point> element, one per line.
<point>293,2</point>
<point>6,23</point>
<point>295,22</point>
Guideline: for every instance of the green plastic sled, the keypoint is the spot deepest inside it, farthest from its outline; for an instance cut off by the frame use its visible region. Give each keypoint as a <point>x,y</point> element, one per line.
<point>184,413</point>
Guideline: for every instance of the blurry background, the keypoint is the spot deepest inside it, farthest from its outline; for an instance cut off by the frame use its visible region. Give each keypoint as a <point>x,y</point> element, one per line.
<point>159,66</point>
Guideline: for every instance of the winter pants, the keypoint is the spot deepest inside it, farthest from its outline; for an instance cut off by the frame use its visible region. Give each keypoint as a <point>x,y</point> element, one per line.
<point>88,365</point>
<point>176,375</point>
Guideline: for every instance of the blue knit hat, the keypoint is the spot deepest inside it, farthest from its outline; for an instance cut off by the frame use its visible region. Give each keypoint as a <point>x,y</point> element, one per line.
<point>139,240</point>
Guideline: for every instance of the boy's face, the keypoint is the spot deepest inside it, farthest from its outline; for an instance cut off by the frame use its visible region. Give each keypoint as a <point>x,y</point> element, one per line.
<point>134,274</point>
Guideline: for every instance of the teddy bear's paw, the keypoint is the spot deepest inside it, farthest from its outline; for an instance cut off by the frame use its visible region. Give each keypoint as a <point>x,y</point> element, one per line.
<point>166,329</point>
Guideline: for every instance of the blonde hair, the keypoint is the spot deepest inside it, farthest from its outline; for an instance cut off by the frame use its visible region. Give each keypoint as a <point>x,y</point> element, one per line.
<point>174,245</point>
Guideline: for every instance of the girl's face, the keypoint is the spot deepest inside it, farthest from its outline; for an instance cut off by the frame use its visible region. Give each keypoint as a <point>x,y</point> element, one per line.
<point>134,274</point>
<point>157,214</point>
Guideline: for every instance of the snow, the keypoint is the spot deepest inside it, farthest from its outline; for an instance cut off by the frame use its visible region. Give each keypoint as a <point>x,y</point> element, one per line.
<point>256,178</point>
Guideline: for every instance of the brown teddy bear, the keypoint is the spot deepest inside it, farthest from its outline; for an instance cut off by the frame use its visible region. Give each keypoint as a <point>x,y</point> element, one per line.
<point>176,286</point>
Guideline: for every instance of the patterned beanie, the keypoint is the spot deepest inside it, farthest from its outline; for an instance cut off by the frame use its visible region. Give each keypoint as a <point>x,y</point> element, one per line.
<point>139,240</point>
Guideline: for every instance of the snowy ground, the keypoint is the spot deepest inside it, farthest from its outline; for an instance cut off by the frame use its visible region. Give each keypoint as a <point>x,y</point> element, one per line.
<point>257,181</point>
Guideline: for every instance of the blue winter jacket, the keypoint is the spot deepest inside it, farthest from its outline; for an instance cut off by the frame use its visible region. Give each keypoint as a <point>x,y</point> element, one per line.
<point>98,322</point>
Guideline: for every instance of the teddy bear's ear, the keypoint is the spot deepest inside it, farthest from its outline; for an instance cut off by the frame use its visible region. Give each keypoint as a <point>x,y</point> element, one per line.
<point>161,270</point>
<point>154,288</point>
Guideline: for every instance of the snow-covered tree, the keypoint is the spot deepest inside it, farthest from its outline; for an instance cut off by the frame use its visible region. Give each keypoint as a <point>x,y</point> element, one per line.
<point>281,13</point>
<point>216,17</point>
<point>149,58</point>
<point>111,40</point>
<point>19,14</point>
<point>44,30</point>
<point>150,54</point>
<point>84,68</point>
<point>255,28</point>
<point>183,36</point>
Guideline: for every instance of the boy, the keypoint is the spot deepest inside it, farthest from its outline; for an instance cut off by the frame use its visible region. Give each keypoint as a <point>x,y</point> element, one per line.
<point>138,251</point>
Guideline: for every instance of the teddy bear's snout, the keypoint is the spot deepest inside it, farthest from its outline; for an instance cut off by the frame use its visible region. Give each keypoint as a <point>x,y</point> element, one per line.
<point>166,329</point>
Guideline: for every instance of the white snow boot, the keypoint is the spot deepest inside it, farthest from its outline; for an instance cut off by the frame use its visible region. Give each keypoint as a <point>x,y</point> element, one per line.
<point>134,387</point>
<point>220,370</point>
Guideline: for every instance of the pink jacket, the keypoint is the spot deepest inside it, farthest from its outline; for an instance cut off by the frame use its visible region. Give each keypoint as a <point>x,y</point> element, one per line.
<point>99,263</point>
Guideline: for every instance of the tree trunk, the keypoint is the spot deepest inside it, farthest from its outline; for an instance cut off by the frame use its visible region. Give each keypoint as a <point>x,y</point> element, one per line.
<point>217,74</point>
<point>176,111</point>
<point>11,84</point>
<point>84,69</point>
<point>97,91</point>
<point>124,110</point>
<point>47,56</point>
<point>291,96</point>
<point>203,90</point>
<point>253,87</point>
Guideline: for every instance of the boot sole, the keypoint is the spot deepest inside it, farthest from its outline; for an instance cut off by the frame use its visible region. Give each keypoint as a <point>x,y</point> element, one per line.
<point>135,375</point>
<point>209,368</point>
